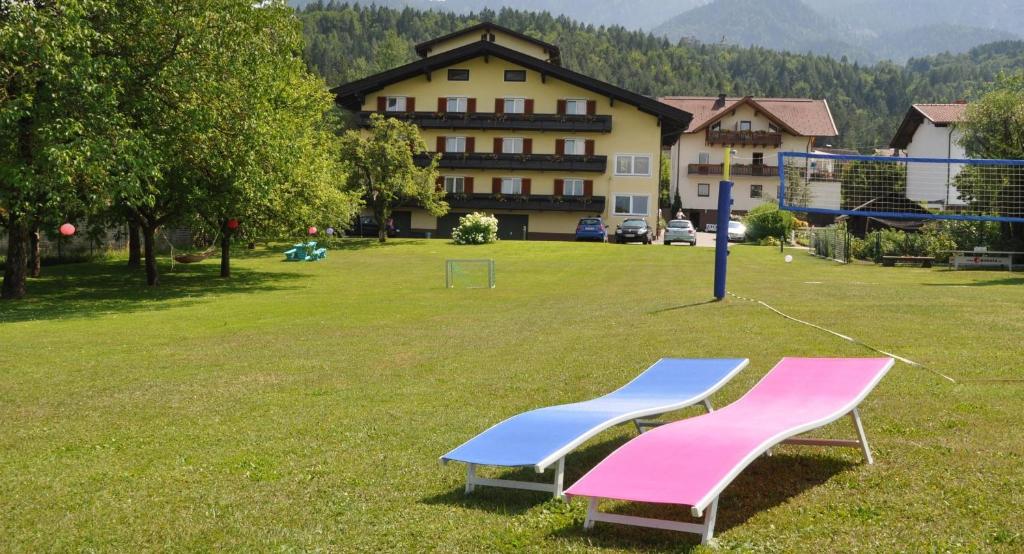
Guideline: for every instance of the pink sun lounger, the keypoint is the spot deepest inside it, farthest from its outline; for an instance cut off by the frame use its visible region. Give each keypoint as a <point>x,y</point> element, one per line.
<point>690,462</point>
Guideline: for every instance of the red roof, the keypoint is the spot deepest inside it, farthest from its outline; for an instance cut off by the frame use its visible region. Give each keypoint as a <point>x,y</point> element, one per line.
<point>943,113</point>
<point>938,114</point>
<point>799,116</point>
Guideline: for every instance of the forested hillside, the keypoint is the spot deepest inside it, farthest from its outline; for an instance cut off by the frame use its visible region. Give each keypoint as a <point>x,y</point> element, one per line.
<point>793,26</point>
<point>347,42</point>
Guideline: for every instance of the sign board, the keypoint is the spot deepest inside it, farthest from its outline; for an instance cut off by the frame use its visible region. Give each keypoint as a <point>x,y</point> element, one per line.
<point>981,260</point>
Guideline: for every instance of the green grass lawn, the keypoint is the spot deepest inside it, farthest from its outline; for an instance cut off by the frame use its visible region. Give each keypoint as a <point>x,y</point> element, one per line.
<point>304,406</point>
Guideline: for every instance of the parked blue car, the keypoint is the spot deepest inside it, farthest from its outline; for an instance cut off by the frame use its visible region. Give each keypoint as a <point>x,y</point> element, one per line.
<point>592,228</point>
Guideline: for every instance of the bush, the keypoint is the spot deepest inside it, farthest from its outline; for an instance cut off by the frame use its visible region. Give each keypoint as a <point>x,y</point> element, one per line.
<point>936,239</point>
<point>767,220</point>
<point>476,228</point>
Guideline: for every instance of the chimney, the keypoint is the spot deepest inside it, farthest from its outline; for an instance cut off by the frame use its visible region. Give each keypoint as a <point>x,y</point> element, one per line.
<point>720,103</point>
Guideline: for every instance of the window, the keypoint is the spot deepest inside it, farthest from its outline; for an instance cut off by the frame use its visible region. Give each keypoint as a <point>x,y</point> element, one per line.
<point>704,158</point>
<point>458,74</point>
<point>716,126</point>
<point>455,185</point>
<point>756,191</point>
<point>630,204</point>
<point>512,145</point>
<point>515,75</point>
<point>573,187</point>
<point>703,190</point>
<point>575,147</point>
<point>773,127</point>
<point>633,164</point>
<point>515,105</point>
<point>744,125</point>
<point>576,107</point>
<point>457,104</point>
<point>455,144</point>
<point>396,104</point>
<point>758,158</point>
<point>511,185</point>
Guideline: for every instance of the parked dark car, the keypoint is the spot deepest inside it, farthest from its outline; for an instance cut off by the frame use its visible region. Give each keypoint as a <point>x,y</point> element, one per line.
<point>366,226</point>
<point>592,228</point>
<point>634,230</point>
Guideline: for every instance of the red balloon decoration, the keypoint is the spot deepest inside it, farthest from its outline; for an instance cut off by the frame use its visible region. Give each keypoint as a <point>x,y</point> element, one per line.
<point>67,229</point>
<point>312,230</point>
<point>232,224</point>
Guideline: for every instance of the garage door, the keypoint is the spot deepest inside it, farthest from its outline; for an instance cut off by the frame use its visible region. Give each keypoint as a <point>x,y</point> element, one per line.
<point>446,224</point>
<point>513,227</point>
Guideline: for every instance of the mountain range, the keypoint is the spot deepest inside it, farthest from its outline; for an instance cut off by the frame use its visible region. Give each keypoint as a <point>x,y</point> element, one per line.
<point>866,31</point>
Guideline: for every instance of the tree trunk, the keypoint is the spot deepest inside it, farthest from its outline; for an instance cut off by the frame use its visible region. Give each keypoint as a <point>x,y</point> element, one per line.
<point>225,251</point>
<point>16,266</point>
<point>382,233</point>
<point>35,265</point>
<point>134,244</point>
<point>149,244</point>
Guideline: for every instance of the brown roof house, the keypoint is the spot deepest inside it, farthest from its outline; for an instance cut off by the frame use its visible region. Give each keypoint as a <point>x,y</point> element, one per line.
<point>757,129</point>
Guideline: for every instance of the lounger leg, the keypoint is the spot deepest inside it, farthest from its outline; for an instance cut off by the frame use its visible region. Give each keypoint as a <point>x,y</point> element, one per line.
<point>591,512</point>
<point>639,429</point>
<point>861,436</point>
<point>470,477</point>
<point>709,522</point>
<point>559,478</point>
<point>707,404</point>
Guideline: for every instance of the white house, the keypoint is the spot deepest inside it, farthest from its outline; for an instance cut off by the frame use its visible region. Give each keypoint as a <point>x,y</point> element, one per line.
<point>757,129</point>
<point>929,131</point>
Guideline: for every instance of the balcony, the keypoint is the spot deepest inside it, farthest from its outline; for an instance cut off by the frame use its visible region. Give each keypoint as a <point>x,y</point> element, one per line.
<point>521,162</point>
<point>745,138</point>
<point>520,202</point>
<point>501,122</point>
<point>749,170</point>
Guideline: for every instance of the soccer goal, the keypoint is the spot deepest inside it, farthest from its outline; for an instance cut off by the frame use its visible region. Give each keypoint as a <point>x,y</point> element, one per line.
<point>902,188</point>
<point>470,274</point>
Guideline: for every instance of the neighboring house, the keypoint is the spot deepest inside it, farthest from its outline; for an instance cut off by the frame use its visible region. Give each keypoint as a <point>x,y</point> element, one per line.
<point>929,131</point>
<point>521,137</point>
<point>758,129</point>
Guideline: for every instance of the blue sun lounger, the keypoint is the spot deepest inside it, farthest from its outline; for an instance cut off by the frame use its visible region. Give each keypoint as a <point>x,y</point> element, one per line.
<point>545,436</point>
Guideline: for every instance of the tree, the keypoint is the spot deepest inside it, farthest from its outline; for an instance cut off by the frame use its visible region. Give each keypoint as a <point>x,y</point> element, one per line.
<point>54,108</point>
<point>381,167</point>
<point>994,129</point>
<point>861,182</point>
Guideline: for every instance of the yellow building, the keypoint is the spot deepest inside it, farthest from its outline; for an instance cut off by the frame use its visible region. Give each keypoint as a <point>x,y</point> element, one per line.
<point>521,137</point>
<point>757,129</point>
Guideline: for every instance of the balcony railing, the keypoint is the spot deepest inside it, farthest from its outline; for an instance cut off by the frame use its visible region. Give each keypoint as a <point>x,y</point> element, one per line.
<point>745,138</point>
<point>520,162</point>
<point>749,170</point>
<point>520,202</point>
<point>501,122</point>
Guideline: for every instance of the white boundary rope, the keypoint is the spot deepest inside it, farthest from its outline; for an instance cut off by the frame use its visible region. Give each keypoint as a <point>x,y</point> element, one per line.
<point>907,361</point>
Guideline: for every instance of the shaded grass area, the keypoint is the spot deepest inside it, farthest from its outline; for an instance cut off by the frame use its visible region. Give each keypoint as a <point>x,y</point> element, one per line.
<point>304,406</point>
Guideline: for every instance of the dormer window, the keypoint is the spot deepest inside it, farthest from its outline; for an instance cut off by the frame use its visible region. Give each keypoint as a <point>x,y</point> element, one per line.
<point>396,104</point>
<point>515,75</point>
<point>744,126</point>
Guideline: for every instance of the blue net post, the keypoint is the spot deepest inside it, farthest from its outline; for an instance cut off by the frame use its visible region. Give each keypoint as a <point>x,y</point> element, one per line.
<point>722,237</point>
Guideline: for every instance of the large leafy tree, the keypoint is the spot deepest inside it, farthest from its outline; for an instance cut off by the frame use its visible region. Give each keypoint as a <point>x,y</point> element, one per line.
<point>994,129</point>
<point>55,106</point>
<point>381,167</point>
<point>268,157</point>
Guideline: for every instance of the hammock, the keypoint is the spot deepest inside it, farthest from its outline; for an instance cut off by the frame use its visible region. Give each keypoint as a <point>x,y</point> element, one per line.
<point>195,257</point>
<point>190,257</point>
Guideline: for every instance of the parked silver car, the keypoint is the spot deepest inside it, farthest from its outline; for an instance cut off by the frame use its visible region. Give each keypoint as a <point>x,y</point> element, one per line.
<point>680,230</point>
<point>737,231</point>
